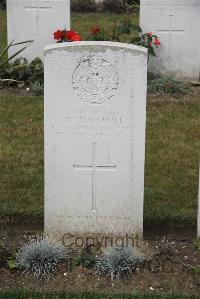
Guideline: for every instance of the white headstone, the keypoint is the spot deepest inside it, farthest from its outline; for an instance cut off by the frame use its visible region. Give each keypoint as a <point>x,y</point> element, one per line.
<point>95,107</point>
<point>177,23</point>
<point>36,20</point>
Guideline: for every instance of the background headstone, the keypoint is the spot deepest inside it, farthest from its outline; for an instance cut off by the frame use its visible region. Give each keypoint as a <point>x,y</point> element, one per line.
<point>95,107</point>
<point>177,24</point>
<point>36,20</point>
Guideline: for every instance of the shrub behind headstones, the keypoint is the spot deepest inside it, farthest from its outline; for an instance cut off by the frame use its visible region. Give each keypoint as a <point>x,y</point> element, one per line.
<point>113,5</point>
<point>2,4</point>
<point>83,5</point>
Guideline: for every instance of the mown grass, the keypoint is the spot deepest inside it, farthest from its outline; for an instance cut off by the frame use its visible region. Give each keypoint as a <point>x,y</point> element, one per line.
<point>25,294</point>
<point>84,22</point>
<point>172,158</point>
<point>172,153</point>
<point>21,156</point>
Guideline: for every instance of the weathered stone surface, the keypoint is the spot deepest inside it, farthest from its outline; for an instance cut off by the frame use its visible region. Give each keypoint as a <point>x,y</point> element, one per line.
<point>177,24</point>
<point>95,107</point>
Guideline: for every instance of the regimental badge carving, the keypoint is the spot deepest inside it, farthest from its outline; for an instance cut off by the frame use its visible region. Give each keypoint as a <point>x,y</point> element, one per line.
<point>95,80</point>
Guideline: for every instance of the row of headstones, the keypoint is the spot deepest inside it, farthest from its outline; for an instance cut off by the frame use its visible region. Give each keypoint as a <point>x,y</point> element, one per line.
<point>95,115</point>
<point>176,22</point>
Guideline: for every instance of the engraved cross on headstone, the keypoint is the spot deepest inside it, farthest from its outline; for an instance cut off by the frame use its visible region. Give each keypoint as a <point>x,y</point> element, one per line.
<point>94,168</point>
<point>170,31</point>
<point>37,6</point>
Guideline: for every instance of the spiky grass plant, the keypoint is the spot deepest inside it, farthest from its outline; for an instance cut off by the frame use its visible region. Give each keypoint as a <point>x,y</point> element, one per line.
<point>40,256</point>
<point>117,262</point>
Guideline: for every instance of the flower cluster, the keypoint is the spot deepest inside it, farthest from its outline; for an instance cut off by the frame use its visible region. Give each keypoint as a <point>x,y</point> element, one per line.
<point>66,36</point>
<point>97,34</point>
<point>95,30</point>
<point>149,40</point>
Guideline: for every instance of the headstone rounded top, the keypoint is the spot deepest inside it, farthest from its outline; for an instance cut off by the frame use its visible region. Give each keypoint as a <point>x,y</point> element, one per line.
<point>109,44</point>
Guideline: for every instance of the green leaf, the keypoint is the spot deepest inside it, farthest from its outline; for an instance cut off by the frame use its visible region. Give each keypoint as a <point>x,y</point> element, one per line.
<point>4,51</point>
<point>21,85</point>
<point>12,56</point>
<point>136,40</point>
<point>11,263</point>
<point>21,43</point>
<point>196,269</point>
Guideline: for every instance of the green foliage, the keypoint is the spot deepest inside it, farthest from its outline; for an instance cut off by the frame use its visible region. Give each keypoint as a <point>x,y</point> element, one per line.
<point>196,243</point>
<point>4,49</point>
<point>5,68</point>
<point>196,269</point>
<point>3,4</point>
<point>131,30</point>
<point>117,262</point>
<point>87,257</point>
<point>168,86</point>
<point>133,2</point>
<point>11,263</point>
<point>119,29</point>
<point>21,73</point>
<point>149,41</point>
<point>7,250</point>
<point>128,27</point>
<point>40,257</point>
<point>83,5</point>
<point>113,6</point>
<point>121,6</point>
<point>37,88</point>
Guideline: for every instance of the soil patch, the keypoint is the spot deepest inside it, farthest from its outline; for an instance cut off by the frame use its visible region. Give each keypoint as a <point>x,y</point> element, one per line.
<point>163,272</point>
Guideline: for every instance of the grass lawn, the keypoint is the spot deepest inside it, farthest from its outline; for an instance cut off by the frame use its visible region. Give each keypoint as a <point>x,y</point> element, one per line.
<point>172,146</point>
<point>21,156</point>
<point>172,159</point>
<point>84,22</point>
<point>63,295</point>
<point>172,151</point>
<point>79,22</point>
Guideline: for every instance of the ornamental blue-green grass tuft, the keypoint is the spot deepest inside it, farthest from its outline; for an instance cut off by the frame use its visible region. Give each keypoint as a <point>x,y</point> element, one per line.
<point>117,262</point>
<point>40,256</point>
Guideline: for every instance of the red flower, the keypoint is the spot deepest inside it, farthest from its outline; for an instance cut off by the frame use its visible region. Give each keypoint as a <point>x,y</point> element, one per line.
<point>157,42</point>
<point>150,34</point>
<point>58,34</point>
<point>75,38</point>
<point>95,30</point>
<point>72,36</point>
<point>69,34</point>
